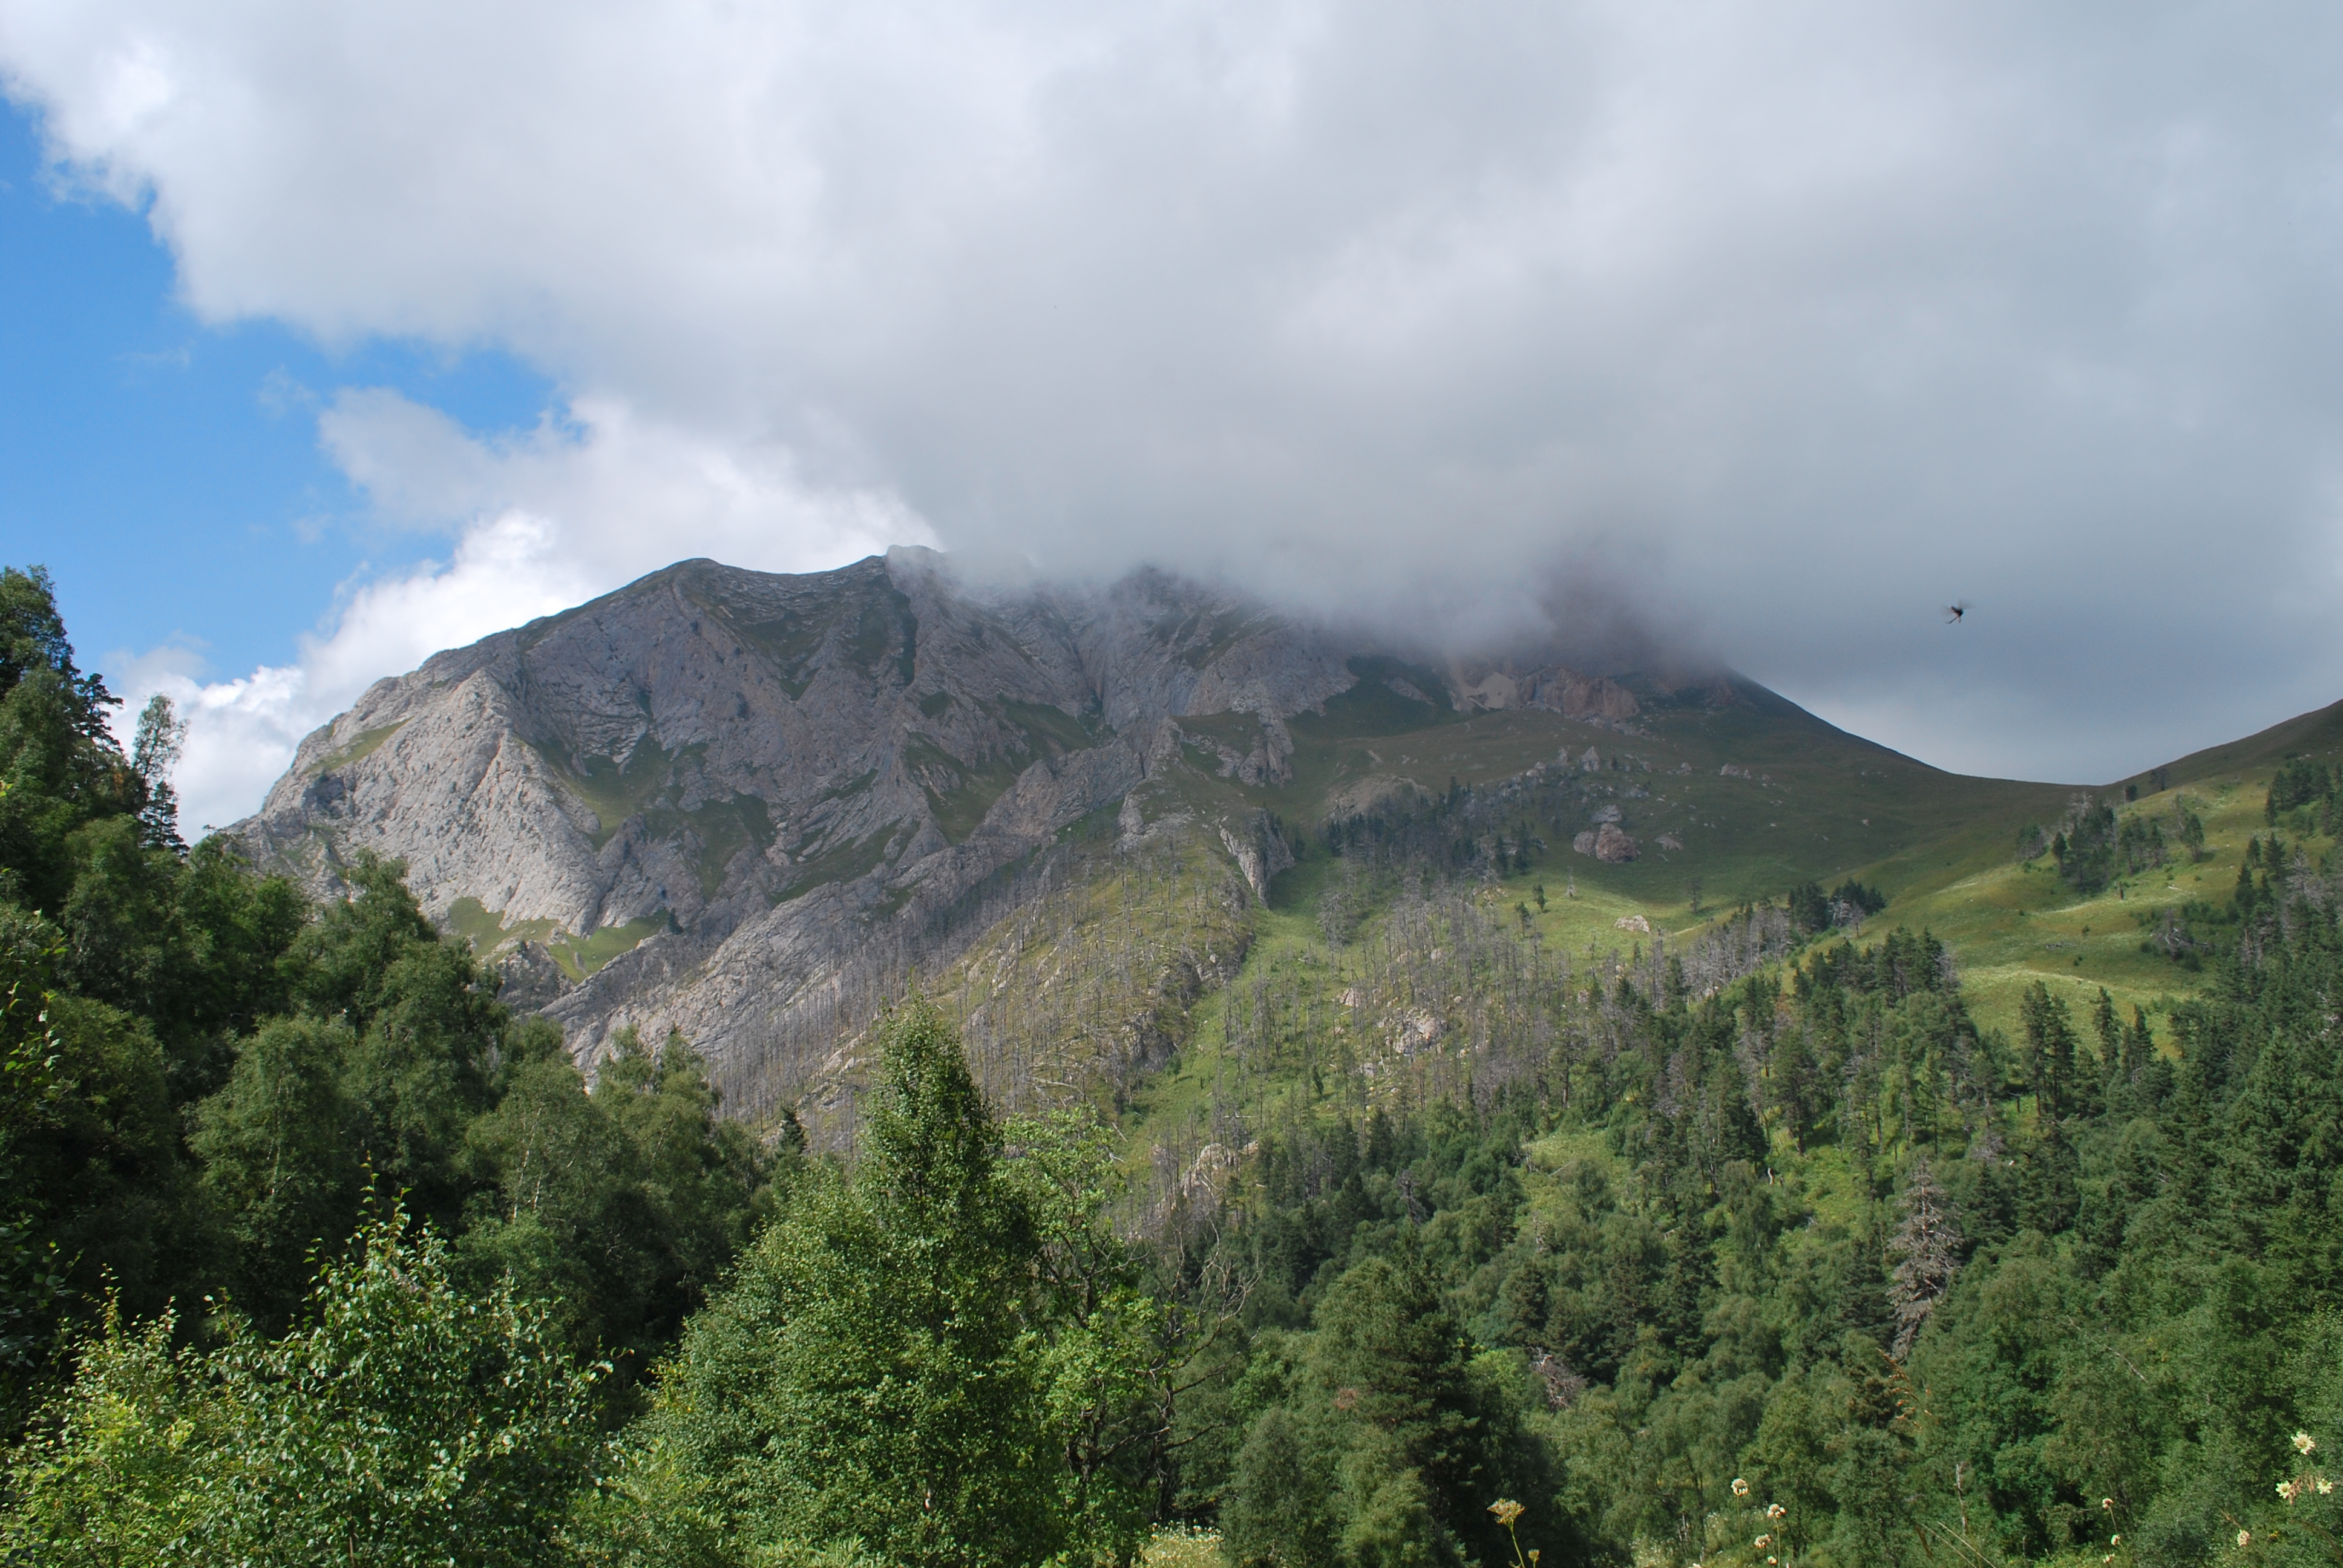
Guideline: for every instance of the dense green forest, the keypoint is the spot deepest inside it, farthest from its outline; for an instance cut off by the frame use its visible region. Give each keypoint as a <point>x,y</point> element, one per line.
<point>311,1251</point>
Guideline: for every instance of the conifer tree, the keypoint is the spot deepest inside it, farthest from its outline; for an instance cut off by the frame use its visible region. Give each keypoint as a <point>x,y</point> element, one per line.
<point>2049,1050</point>
<point>161,737</point>
<point>2138,1044</point>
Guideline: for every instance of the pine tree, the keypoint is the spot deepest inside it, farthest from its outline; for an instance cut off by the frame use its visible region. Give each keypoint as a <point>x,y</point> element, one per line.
<point>2049,1050</point>
<point>161,737</point>
<point>2138,1045</point>
<point>2105,1025</point>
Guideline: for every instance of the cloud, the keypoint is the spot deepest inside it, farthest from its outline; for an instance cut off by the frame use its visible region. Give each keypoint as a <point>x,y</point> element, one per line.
<point>628,496</point>
<point>1801,320</point>
<point>242,733</point>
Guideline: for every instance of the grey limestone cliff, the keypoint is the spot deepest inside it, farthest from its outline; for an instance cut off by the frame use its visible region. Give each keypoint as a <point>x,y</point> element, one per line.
<point>700,800</point>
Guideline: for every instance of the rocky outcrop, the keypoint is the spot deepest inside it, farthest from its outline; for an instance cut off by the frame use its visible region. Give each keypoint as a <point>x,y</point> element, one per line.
<point>1608,842</point>
<point>529,977</point>
<point>696,802</point>
<point>1555,688</point>
<point>1258,850</point>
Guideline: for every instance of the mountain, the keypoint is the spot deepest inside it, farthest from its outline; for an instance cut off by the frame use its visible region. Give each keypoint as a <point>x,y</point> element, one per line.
<point>751,807</point>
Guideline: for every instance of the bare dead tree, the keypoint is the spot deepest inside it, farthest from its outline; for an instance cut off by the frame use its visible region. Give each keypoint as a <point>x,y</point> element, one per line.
<point>1927,1247</point>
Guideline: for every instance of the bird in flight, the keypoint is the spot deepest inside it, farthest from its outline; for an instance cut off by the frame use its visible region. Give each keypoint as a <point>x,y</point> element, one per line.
<point>1953,612</point>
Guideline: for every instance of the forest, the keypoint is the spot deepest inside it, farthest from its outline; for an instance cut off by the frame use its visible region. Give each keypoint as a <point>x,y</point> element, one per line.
<point>1759,1252</point>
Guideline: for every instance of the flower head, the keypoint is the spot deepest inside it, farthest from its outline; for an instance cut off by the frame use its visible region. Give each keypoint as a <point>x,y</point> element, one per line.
<point>2245,1539</point>
<point>2108,1503</point>
<point>2324,1486</point>
<point>2302,1442</point>
<point>1740,1487</point>
<point>1507,1510</point>
<point>1774,1511</point>
<point>1762,1543</point>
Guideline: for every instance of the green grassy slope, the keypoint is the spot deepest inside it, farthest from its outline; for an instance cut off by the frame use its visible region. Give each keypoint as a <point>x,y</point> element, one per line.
<point>2012,923</point>
<point>2318,733</point>
<point>1821,804</point>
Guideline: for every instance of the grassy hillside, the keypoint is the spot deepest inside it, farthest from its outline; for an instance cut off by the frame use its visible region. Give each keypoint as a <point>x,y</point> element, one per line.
<point>1148,981</point>
<point>1825,804</point>
<point>2014,922</point>
<point>1806,802</point>
<point>1804,799</point>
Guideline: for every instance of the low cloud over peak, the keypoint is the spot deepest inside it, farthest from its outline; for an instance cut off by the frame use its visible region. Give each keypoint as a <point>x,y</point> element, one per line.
<point>1774,328</point>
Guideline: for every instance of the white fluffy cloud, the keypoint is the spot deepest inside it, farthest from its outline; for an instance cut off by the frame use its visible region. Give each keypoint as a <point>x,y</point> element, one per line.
<point>242,733</point>
<point>1790,321</point>
<point>547,520</point>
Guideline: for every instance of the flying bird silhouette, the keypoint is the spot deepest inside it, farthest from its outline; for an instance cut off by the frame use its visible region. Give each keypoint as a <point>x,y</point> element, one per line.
<point>1953,612</point>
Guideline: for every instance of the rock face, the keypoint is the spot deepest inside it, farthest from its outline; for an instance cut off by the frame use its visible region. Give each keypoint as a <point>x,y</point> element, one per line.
<point>1612,845</point>
<point>1607,842</point>
<point>693,802</point>
<point>744,805</point>
<point>1556,689</point>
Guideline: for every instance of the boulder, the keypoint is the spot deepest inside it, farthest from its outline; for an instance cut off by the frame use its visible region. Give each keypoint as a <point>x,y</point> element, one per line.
<point>1612,845</point>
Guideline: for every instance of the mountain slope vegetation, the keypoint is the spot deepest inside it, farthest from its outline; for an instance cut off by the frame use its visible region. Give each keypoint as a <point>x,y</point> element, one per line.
<point>1307,1152</point>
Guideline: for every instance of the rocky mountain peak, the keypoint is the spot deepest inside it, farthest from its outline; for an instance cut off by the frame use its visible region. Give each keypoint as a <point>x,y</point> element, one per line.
<point>688,797</point>
<point>712,798</point>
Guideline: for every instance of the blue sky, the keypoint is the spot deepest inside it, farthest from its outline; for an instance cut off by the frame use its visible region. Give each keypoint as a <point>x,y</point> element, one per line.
<point>167,472</point>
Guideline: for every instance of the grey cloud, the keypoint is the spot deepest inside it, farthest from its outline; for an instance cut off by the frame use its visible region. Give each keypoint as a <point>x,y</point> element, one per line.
<point>1772,327</point>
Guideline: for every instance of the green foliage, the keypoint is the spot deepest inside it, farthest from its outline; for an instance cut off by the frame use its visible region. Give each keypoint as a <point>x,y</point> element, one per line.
<point>162,735</point>
<point>201,1069</point>
<point>1824,1263</point>
<point>1107,1345</point>
<point>2085,847</point>
<point>2096,845</point>
<point>279,1157</point>
<point>2302,782</point>
<point>1389,1435</point>
<point>34,649</point>
<point>404,1422</point>
<point>385,1062</point>
<point>622,1207</point>
<point>933,1357</point>
<point>32,1286</point>
<point>1753,1249</point>
<point>1849,903</point>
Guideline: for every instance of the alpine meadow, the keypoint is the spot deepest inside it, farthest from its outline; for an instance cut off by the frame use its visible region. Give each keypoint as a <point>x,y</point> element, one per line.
<point>867,1068</point>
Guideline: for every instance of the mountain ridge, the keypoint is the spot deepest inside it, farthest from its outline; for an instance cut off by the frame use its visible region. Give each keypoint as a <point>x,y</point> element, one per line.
<point>728,801</point>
